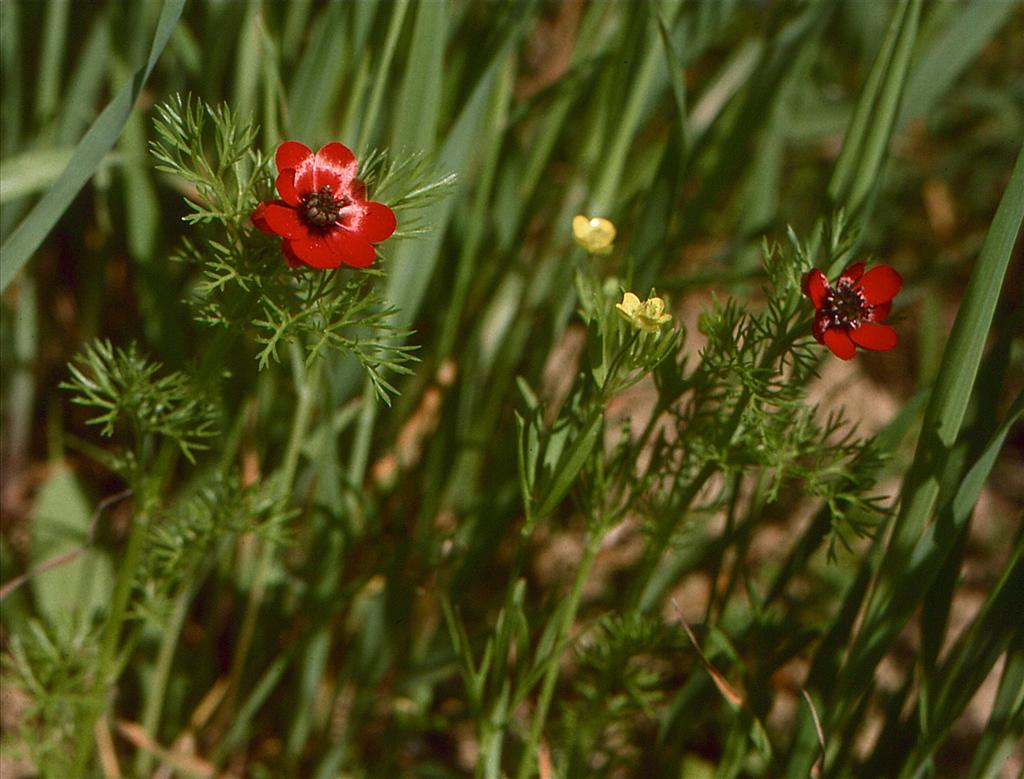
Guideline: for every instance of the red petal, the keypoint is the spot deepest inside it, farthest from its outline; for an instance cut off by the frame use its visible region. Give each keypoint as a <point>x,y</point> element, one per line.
<point>291,154</point>
<point>286,187</point>
<point>881,313</point>
<point>284,221</point>
<point>815,285</point>
<point>878,338</point>
<point>880,285</point>
<point>357,190</point>
<point>351,249</point>
<point>335,167</point>
<point>373,222</point>
<point>289,255</point>
<point>316,252</point>
<point>853,272</point>
<point>304,177</point>
<point>839,343</point>
<point>259,219</point>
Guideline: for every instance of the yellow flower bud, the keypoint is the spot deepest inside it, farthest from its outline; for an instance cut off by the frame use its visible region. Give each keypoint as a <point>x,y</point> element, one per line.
<point>596,234</point>
<point>648,315</point>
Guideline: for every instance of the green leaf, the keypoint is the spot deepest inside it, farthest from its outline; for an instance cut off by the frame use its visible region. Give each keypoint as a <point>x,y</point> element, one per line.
<point>970,661</point>
<point>88,155</point>
<point>857,171</point>
<point>52,59</point>
<point>417,120</point>
<point>318,76</point>
<point>60,524</point>
<point>78,106</point>
<point>31,171</point>
<point>948,404</point>
<point>569,466</point>
<point>947,56</point>
<point>368,119</point>
<point>1005,726</point>
<point>11,60</point>
<point>676,80</point>
<point>414,262</point>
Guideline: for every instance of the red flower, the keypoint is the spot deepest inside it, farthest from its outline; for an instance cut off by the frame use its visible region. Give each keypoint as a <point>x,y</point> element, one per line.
<point>849,314</point>
<point>323,215</point>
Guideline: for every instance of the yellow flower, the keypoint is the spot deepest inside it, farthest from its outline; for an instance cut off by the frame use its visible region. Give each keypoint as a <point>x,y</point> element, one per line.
<point>596,235</point>
<point>648,315</point>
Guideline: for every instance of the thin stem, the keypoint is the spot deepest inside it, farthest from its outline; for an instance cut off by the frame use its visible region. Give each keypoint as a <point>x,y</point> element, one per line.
<point>306,385</point>
<point>526,763</point>
<point>147,491</point>
<point>743,533</point>
<point>686,494</point>
<point>363,437</point>
<point>111,638</point>
<point>719,561</point>
<point>161,674</point>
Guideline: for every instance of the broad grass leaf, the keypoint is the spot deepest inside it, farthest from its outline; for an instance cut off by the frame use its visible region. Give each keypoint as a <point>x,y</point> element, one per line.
<point>88,155</point>
<point>60,524</point>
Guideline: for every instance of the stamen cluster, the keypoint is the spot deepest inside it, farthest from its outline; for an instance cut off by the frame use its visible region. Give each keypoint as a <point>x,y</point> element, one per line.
<point>845,305</point>
<point>321,208</point>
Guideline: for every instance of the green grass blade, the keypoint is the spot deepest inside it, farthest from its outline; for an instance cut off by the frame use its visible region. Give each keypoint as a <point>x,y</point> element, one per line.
<point>490,144</point>
<point>971,659</point>
<point>857,170</point>
<point>101,137</point>
<point>11,61</point>
<point>647,82</point>
<point>368,121</point>
<point>414,264</point>
<point>51,60</point>
<point>20,381</point>
<point>941,427</point>
<point>273,91</point>
<point>883,119</point>
<point>90,72</point>
<point>415,128</point>
<point>676,80</point>
<point>568,467</point>
<point>247,60</point>
<point>295,25</point>
<point>31,171</point>
<point>1005,727</point>
<point>142,208</point>
<point>860,124</point>
<point>948,55</point>
<point>318,78</point>
<point>955,381</point>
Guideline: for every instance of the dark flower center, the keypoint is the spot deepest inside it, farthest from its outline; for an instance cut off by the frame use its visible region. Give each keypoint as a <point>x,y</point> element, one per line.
<point>845,306</point>
<point>321,208</point>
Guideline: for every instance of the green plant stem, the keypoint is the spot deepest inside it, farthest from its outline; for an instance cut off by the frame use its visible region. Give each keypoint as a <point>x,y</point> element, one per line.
<point>162,672</point>
<point>146,491</point>
<point>719,561</point>
<point>306,386</point>
<point>111,637</point>
<point>363,437</point>
<point>526,762</point>
<point>742,535</point>
<point>679,506</point>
